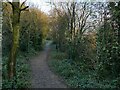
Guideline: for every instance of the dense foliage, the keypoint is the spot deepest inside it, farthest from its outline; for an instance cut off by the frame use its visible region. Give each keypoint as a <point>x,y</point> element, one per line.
<point>86,39</point>
<point>75,74</point>
<point>33,31</point>
<point>94,49</point>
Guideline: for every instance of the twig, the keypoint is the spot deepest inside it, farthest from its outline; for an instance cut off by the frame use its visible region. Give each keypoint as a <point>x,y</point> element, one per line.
<point>24,8</point>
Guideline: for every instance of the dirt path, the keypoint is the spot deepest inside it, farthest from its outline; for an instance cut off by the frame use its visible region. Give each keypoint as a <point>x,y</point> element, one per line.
<point>42,77</point>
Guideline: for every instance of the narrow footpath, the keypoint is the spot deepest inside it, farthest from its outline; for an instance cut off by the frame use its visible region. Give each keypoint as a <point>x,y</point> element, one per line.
<point>42,76</point>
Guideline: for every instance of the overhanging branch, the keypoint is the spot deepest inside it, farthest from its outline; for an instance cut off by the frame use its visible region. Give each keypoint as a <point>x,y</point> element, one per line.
<point>23,3</point>
<point>10,2</point>
<point>24,8</point>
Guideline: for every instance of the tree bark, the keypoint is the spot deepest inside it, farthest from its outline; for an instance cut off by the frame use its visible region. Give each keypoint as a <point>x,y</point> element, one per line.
<point>15,39</point>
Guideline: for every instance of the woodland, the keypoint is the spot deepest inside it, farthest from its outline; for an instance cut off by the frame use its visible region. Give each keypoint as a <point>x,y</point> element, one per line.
<point>84,48</point>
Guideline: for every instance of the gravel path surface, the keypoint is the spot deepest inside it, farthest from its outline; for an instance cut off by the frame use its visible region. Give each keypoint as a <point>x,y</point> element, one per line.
<point>42,77</point>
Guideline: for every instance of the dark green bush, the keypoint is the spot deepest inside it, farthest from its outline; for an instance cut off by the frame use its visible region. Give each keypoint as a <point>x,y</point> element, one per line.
<point>78,75</point>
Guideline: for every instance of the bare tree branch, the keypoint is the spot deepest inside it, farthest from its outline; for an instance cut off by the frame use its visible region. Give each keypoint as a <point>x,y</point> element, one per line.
<point>57,10</point>
<point>64,10</point>
<point>10,2</point>
<point>23,3</point>
<point>68,9</point>
<point>24,8</point>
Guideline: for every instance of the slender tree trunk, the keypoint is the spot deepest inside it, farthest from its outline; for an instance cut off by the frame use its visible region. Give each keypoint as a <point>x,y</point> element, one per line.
<point>15,39</point>
<point>16,8</point>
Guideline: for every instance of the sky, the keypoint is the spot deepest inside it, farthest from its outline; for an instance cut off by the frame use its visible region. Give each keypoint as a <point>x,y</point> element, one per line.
<point>46,7</point>
<point>42,4</point>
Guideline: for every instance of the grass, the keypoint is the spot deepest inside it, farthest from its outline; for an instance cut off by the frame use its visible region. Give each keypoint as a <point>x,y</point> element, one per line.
<point>75,75</point>
<point>22,79</point>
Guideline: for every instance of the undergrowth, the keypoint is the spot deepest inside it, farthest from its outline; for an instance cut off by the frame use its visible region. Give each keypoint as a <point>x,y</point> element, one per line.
<point>22,78</point>
<point>75,75</point>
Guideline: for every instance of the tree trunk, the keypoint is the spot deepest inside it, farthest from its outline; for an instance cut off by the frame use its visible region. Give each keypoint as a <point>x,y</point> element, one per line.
<point>15,40</point>
<point>16,8</point>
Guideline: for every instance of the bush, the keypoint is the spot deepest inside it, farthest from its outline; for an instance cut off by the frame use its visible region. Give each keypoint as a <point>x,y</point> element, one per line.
<point>22,78</point>
<point>77,75</point>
